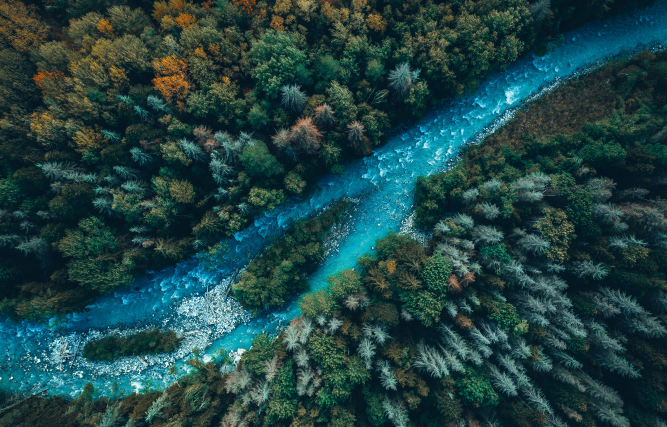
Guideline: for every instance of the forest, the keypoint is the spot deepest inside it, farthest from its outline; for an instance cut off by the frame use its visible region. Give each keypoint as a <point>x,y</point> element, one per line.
<point>540,299</point>
<point>134,134</point>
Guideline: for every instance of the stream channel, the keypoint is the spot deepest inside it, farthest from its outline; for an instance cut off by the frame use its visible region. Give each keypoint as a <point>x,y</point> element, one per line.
<point>192,301</point>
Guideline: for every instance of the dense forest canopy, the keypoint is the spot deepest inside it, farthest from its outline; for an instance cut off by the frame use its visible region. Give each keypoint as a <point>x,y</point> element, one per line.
<point>133,134</point>
<point>540,300</point>
<point>136,344</point>
<point>281,270</point>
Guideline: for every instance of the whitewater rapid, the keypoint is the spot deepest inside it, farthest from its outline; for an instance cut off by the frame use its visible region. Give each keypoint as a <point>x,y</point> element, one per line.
<point>381,187</point>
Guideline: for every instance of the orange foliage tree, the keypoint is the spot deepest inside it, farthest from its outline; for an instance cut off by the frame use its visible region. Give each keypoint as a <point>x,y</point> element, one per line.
<point>163,8</point>
<point>246,5</point>
<point>184,20</point>
<point>39,77</point>
<point>277,23</point>
<point>376,22</point>
<point>172,80</point>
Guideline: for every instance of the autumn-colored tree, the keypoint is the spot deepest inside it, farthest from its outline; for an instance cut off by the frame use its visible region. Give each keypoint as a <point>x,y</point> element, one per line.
<point>324,116</point>
<point>170,65</point>
<point>88,138</point>
<point>43,79</point>
<point>104,27</point>
<point>246,5</point>
<point>185,20</point>
<point>182,191</point>
<point>376,22</point>
<point>172,81</point>
<point>118,76</point>
<point>173,8</point>
<point>305,137</point>
<point>20,26</point>
<point>46,129</point>
<point>281,139</point>
<point>277,23</point>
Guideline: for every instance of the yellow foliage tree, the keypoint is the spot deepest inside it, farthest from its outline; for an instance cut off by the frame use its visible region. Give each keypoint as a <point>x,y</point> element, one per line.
<point>306,8</point>
<point>88,138</point>
<point>182,191</point>
<point>20,26</point>
<point>104,27</point>
<point>376,22</point>
<point>556,228</point>
<point>118,76</point>
<point>46,129</point>
<point>282,7</point>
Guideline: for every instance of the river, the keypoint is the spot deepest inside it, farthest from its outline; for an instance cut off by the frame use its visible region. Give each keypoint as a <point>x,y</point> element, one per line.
<point>41,357</point>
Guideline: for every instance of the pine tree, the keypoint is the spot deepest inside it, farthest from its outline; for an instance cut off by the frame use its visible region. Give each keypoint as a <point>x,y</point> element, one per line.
<point>334,325</point>
<point>366,351</point>
<point>134,186</point>
<point>608,213</point>
<point>430,360</point>
<point>306,329</point>
<point>126,172</point>
<point>355,133</point>
<point>103,205</point>
<point>442,227</point>
<point>502,382</point>
<point>583,269</point>
<point>157,406</point>
<point>470,196</point>
<point>140,156</point>
<point>491,185</point>
<point>192,150</point>
<point>291,338</point>
<point>304,137</point>
<point>324,116</point>
<point>646,325</point>
<point>402,78</point>
<point>601,188</point>
<point>530,188</point>
<point>488,210</point>
<point>486,235</point>
<point>387,377</point>
<point>396,412</point>
<point>626,303</point>
<point>464,221</point>
<point>158,104</point>
<point>55,170</point>
<point>110,416</point>
<point>293,98</point>
<point>615,363</point>
<point>533,243</point>
<point>111,136</point>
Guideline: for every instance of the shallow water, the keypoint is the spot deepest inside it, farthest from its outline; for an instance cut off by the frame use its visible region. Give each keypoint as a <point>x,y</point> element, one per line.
<point>382,184</point>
